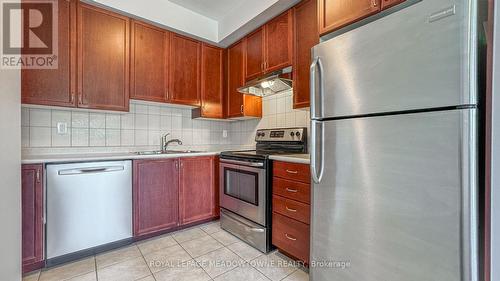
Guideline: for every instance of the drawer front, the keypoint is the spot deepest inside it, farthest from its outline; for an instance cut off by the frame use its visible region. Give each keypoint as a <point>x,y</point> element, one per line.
<point>292,209</point>
<point>291,236</point>
<point>292,171</point>
<point>292,190</point>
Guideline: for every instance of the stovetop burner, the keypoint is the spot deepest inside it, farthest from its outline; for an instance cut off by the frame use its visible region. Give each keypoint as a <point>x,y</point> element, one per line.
<point>272,142</point>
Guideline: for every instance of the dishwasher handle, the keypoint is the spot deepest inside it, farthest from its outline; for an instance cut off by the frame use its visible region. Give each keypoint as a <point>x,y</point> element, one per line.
<point>91,170</point>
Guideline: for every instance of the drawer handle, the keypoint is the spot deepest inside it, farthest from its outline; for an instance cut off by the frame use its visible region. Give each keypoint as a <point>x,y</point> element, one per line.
<point>292,172</point>
<point>291,190</point>
<point>290,237</point>
<point>290,210</point>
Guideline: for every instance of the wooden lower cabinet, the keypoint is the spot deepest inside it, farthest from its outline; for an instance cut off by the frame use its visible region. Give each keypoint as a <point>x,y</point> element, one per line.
<point>155,195</point>
<point>32,217</point>
<point>291,209</point>
<point>170,193</point>
<point>197,189</point>
<point>291,236</point>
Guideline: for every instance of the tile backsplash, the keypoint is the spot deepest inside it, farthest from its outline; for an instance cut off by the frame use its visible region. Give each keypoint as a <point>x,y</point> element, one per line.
<point>142,127</point>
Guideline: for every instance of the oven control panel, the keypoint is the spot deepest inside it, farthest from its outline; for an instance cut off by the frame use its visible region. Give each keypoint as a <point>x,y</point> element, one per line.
<point>281,135</point>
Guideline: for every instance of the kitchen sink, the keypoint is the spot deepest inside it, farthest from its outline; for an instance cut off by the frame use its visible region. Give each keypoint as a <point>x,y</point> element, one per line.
<point>156,152</point>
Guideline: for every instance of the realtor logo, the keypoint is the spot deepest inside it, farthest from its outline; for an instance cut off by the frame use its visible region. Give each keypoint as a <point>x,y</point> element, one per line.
<point>29,34</point>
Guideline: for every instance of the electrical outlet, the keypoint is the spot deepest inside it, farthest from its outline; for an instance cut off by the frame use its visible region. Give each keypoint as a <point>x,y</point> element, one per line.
<point>62,128</point>
<point>224,133</point>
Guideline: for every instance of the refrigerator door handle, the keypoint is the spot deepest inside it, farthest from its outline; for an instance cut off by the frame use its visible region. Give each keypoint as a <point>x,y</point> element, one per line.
<point>316,110</point>
<point>317,142</point>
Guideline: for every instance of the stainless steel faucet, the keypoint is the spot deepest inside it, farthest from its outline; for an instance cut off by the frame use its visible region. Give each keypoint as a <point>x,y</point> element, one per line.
<point>165,143</point>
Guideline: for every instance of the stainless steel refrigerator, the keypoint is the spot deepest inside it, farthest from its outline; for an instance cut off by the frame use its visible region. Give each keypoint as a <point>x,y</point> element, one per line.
<point>394,148</point>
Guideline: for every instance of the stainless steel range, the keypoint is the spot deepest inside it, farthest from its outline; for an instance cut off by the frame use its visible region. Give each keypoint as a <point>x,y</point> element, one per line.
<point>245,184</point>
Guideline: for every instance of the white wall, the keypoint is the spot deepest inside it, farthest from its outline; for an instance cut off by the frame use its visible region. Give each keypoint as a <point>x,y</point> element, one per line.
<point>10,169</point>
<point>495,150</point>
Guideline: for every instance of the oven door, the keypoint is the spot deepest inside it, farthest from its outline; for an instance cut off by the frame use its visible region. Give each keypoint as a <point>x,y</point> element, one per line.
<point>243,189</point>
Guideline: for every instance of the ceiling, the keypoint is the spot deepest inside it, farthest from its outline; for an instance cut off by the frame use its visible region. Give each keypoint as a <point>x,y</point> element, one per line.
<point>220,22</point>
<point>215,10</point>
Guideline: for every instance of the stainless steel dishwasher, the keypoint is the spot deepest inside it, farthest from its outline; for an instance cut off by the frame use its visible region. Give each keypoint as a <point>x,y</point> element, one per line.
<point>88,205</point>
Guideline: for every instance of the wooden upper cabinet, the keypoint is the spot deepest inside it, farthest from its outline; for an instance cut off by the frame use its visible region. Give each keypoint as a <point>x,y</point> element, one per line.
<point>235,79</point>
<point>32,217</point>
<point>305,37</point>
<point>389,3</point>
<point>149,51</point>
<point>279,42</point>
<point>184,81</point>
<point>335,14</point>
<point>254,54</point>
<point>212,81</point>
<point>55,86</point>
<point>270,47</point>
<point>197,189</point>
<point>155,195</point>
<point>103,59</point>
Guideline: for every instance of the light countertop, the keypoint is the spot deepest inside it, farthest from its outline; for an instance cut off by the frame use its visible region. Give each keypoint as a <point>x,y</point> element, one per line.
<point>65,158</point>
<point>292,158</point>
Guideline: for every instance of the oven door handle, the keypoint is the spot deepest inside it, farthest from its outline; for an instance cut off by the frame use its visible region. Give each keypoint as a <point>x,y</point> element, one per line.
<point>242,163</point>
<point>249,227</point>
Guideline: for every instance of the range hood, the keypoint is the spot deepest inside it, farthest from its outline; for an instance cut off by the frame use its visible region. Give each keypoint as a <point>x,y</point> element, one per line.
<point>269,84</point>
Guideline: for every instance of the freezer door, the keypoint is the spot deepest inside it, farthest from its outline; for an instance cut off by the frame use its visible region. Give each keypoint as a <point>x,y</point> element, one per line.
<point>397,199</point>
<point>418,57</point>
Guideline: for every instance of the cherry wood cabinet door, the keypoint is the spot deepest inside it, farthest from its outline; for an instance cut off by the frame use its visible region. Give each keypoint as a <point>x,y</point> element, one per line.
<point>184,82</point>
<point>103,59</point>
<point>235,79</point>
<point>252,106</point>
<point>155,195</point>
<point>254,54</point>
<point>389,3</point>
<point>212,81</point>
<point>335,14</point>
<point>148,62</point>
<point>279,42</point>
<point>305,37</point>
<point>55,86</point>
<point>197,189</point>
<point>32,217</point>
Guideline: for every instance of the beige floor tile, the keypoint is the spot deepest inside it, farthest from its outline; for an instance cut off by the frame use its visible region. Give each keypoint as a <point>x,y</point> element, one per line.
<point>69,270</point>
<point>32,276</point>
<point>189,234</point>
<point>225,237</point>
<point>155,244</point>
<point>211,227</point>
<point>188,271</point>
<point>298,275</point>
<point>116,256</point>
<point>128,270</point>
<point>219,261</point>
<point>274,266</point>
<point>85,277</point>
<point>242,274</point>
<point>245,251</point>
<point>167,257</point>
<point>201,246</point>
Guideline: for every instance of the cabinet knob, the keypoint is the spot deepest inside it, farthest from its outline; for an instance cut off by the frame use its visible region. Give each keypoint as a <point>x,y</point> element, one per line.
<point>38,175</point>
<point>374,2</point>
<point>241,109</point>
